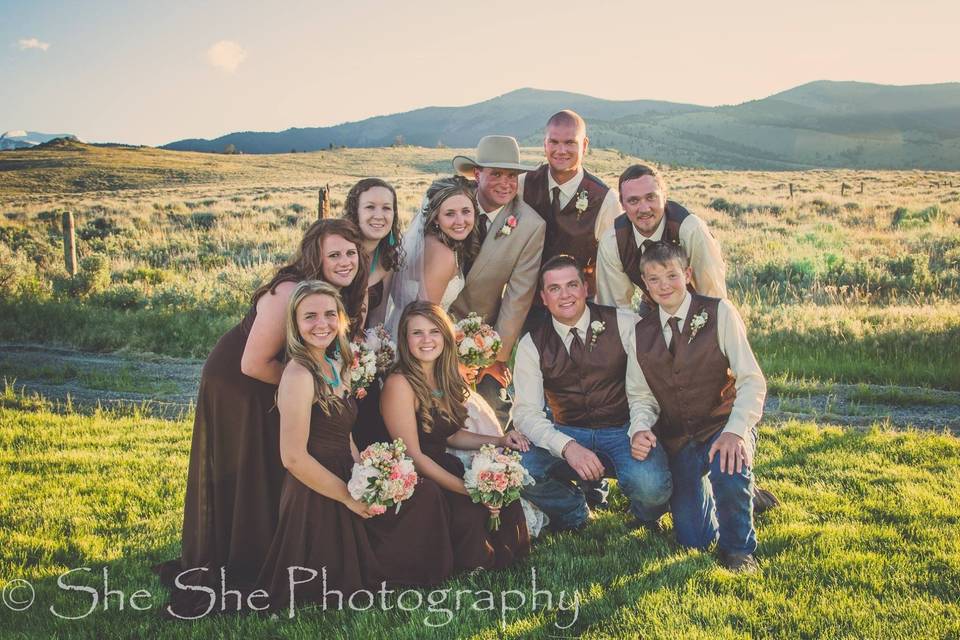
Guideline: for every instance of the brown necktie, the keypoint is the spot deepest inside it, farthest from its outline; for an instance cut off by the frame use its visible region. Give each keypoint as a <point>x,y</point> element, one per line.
<point>674,335</point>
<point>576,347</point>
<point>482,223</point>
<point>555,203</point>
<point>646,244</point>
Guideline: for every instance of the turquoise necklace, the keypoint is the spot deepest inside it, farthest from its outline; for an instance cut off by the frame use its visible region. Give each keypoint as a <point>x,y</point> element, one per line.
<point>334,381</point>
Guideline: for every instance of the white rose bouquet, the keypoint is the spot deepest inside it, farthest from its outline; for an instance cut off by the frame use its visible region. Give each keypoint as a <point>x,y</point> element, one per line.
<point>494,479</point>
<point>477,342</point>
<point>371,357</point>
<point>384,477</point>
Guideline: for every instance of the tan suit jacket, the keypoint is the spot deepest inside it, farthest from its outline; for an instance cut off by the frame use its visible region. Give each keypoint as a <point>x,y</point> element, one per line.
<point>503,280</point>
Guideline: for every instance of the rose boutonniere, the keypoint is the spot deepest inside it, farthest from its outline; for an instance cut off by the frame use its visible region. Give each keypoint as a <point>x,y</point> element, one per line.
<point>596,328</point>
<point>582,203</point>
<point>508,227</point>
<point>697,322</point>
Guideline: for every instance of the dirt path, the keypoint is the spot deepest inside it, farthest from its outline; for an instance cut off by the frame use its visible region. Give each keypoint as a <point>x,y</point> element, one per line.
<point>167,387</point>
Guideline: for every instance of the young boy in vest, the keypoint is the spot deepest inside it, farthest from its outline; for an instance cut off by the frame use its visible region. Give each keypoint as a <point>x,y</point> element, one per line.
<point>700,398</point>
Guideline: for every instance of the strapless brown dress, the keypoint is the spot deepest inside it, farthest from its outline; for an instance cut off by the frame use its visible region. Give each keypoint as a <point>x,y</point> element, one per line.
<point>233,480</point>
<point>408,548</point>
<point>473,545</point>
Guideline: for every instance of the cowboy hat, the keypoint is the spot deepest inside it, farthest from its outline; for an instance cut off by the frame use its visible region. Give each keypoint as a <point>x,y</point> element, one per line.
<point>494,152</point>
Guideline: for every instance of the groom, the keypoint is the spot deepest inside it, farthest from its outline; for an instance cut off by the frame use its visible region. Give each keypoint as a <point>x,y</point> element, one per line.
<point>501,281</point>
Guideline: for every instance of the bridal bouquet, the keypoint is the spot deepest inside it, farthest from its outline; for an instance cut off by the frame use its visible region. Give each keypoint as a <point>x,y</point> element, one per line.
<point>477,342</point>
<point>371,357</point>
<point>384,477</point>
<point>494,479</point>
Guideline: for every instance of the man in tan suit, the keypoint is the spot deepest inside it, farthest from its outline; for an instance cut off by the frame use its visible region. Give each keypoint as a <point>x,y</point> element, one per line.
<point>501,282</point>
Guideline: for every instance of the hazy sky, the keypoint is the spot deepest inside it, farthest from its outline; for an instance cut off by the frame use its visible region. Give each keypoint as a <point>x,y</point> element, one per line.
<point>154,72</point>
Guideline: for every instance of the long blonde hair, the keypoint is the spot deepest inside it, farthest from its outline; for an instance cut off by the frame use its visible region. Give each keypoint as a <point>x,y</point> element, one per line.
<point>446,372</point>
<point>298,350</point>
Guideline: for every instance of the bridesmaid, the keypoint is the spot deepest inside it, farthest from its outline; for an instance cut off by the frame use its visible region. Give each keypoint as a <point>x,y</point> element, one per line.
<point>322,527</point>
<point>235,473</point>
<point>423,403</point>
<point>372,205</point>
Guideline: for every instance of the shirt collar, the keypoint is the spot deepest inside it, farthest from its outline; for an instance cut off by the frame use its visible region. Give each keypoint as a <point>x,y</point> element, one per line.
<point>657,234</point>
<point>568,188</point>
<point>492,215</point>
<point>582,325</point>
<point>681,313</point>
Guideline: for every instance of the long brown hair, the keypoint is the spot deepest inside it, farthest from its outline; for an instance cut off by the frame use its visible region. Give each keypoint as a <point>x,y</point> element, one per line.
<point>446,372</point>
<point>391,254</point>
<point>439,192</point>
<point>298,350</point>
<point>307,264</point>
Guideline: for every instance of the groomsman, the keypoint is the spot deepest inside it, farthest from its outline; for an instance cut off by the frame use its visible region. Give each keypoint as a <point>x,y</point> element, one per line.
<point>696,390</point>
<point>577,362</point>
<point>648,218</point>
<point>576,205</point>
<point>502,280</point>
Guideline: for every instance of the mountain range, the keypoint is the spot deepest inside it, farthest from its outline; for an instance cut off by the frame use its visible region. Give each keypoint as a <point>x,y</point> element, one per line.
<point>27,139</point>
<point>819,124</point>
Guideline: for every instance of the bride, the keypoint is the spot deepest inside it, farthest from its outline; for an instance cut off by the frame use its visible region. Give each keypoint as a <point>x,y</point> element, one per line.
<point>441,242</point>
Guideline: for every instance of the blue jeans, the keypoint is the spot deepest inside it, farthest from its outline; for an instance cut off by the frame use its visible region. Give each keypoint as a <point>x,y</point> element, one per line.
<point>645,483</point>
<point>711,506</point>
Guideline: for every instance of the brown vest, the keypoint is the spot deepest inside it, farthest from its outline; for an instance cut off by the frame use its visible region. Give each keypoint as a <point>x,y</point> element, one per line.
<point>630,253</point>
<point>593,394</point>
<point>571,232</point>
<point>695,389</point>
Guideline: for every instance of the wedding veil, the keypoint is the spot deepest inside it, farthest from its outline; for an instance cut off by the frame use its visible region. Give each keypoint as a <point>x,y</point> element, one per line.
<point>407,282</point>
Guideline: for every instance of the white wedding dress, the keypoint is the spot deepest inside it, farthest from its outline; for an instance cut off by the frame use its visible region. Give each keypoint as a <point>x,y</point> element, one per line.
<point>407,287</point>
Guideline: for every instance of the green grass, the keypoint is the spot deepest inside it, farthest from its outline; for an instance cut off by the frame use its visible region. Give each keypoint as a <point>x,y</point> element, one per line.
<point>866,545</point>
<point>896,345</point>
<point>118,379</point>
<point>898,396</point>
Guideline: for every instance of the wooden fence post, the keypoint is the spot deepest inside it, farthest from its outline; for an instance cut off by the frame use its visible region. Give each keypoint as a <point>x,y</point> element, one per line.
<point>323,203</point>
<point>843,189</point>
<point>791,191</point>
<point>861,187</point>
<point>69,244</point>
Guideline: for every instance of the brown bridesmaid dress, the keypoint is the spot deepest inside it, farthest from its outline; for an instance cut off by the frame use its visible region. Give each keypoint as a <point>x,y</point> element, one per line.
<point>233,481</point>
<point>370,427</point>
<point>473,545</point>
<point>409,548</point>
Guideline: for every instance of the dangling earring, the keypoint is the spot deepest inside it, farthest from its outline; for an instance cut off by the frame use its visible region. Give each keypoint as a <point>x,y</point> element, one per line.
<point>392,241</point>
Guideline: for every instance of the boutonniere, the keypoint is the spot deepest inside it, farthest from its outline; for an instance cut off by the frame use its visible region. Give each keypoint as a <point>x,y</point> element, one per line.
<point>582,203</point>
<point>507,228</point>
<point>697,322</point>
<point>596,328</point>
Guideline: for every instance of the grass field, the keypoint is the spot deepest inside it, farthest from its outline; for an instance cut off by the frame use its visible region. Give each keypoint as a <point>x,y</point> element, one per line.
<point>859,287</point>
<point>867,545</point>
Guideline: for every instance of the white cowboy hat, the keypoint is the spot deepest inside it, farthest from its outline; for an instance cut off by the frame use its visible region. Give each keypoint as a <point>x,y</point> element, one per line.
<point>494,152</point>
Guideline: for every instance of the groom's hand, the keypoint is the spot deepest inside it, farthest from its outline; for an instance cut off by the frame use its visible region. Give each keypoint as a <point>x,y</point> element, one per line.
<point>583,461</point>
<point>500,372</point>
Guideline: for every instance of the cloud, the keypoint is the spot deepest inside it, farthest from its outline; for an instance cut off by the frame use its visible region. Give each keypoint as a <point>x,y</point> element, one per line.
<point>32,43</point>
<point>226,55</point>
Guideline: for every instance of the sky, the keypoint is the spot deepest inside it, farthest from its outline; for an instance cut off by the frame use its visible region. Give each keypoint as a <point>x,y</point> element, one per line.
<point>154,72</point>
